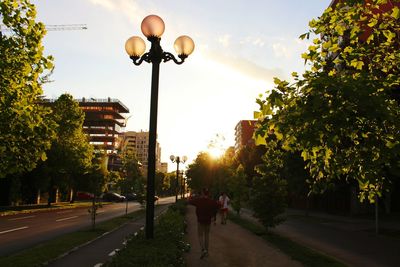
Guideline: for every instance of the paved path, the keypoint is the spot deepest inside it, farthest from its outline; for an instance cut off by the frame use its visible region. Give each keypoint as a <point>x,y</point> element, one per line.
<point>233,246</point>
<point>344,238</point>
<point>99,251</point>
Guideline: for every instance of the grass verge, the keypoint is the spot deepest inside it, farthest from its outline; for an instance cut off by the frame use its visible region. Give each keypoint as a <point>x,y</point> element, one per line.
<point>50,250</point>
<point>165,249</point>
<point>305,255</point>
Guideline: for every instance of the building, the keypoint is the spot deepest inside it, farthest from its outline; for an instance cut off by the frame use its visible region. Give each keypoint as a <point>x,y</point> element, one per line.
<point>164,167</point>
<point>139,143</point>
<point>104,122</point>
<point>103,125</point>
<point>244,133</point>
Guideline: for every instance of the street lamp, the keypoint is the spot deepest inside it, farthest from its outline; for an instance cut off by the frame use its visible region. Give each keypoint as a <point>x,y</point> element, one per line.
<point>178,160</point>
<point>153,27</point>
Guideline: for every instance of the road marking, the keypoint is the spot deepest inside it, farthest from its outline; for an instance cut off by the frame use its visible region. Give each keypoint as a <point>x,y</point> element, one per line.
<point>98,265</point>
<point>61,212</point>
<point>64,219</point>
<point>112,253</point>
<point>12,230</point>
<point>100,212</point>
<point>20,218</point>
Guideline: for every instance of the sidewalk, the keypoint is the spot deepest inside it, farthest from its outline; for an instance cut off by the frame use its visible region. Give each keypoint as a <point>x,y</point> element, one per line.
<point>344,238</point>
<point>233,246</point>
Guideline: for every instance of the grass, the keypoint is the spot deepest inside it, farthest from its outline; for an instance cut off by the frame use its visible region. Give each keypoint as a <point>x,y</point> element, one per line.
<point>165,249</point>
<point>305,255</point>
<point>50,250</point>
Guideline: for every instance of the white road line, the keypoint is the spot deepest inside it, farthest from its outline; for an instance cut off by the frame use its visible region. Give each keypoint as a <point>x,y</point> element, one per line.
<point>66,211</point>
<point>12,230</point>
<point>64,219</point>
<point>98,265</point>
<point>100,212</point>
<point>21,218</point>
<point>112,253</point>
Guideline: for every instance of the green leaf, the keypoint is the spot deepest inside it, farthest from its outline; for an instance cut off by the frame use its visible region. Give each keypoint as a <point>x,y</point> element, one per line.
<point>396,12</point>
<point>260,140</point>
<point>257,115</point>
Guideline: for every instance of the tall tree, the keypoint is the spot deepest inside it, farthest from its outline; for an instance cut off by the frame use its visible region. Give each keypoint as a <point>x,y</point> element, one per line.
<point>71,154</point>
<point>26,130</point>
<point>341,115</point>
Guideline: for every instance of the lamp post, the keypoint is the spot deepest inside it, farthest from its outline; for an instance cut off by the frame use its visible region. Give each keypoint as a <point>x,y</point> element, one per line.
<point>183,185</point>
<point>178,160</point>
<point>153,27</point>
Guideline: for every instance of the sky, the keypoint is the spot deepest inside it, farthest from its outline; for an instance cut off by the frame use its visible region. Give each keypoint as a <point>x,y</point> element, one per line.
<point>240,45</point>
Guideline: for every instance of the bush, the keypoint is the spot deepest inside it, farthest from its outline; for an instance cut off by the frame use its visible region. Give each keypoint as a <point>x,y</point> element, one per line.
<point>167,247</point>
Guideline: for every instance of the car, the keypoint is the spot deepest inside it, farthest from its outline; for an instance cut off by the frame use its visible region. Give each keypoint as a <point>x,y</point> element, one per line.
<point>131,196</point>
<point>84,196</point>
<point>113,197</point>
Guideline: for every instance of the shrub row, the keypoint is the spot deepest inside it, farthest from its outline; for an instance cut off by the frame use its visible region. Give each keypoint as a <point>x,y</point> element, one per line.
<point>165,249</point>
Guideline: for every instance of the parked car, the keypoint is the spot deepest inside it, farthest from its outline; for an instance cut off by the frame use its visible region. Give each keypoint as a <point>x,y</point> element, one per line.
<point>84,196</point>
<point>131,196</point>
<point>113,197</point>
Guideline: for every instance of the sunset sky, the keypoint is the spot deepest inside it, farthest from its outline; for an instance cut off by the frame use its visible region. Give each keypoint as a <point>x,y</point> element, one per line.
<point>240,46</point>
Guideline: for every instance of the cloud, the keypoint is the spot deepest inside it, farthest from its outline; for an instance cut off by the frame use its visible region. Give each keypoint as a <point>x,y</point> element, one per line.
<point>224,40</point>
<point>255,41</point>
<point>245,66</point>
<point>289,49</point>
<point>128,8</point>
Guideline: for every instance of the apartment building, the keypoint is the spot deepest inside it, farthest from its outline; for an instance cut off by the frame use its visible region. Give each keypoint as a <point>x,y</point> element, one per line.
<point>139,143</point>
<point>244,133</point>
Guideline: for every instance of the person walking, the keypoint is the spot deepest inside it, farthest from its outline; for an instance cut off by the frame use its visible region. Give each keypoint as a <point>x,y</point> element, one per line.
<point>224,202</point>
<point>205,210</point>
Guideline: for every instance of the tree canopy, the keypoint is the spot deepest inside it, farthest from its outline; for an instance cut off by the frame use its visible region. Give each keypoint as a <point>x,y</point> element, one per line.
<point>26,130</point>
<point>341,114</point>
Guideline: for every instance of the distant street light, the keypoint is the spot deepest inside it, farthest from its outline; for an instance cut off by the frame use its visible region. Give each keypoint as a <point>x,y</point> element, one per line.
<point>178,160</point>
<point>153,27</point>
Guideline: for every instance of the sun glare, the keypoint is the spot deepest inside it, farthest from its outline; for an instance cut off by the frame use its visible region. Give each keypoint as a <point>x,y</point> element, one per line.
<point>215,152</point>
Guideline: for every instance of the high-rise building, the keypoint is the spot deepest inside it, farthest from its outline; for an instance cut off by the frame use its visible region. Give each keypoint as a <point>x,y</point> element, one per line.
<point>104,122</point>
<point>139,143</point>
<point>244,133</point>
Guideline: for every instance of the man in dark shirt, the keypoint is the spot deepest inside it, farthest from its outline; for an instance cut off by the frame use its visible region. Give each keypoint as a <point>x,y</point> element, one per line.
<point>205,210</point>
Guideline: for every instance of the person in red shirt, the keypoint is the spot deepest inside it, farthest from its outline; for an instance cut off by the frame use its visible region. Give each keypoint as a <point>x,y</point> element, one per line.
<point>205,210</point>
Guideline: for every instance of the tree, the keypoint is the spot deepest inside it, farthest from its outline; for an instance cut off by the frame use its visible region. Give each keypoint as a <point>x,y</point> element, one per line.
<point>199,173</point>
<point>341,115</point>
<point>26,130</point>
<point>70,154</point>
<point>133,175</point>
<point>237,185</point>
<point>269,193</point>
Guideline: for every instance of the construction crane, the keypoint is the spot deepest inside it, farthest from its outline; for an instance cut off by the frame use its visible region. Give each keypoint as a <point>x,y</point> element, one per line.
<point>54,27</point>
<point>66,27</point>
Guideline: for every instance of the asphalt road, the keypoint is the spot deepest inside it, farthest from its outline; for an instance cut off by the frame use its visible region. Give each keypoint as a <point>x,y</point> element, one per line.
<point>18,232</point>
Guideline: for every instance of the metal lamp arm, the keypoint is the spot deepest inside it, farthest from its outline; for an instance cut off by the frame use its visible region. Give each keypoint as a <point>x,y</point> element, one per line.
<point>167,56</point>
<point>138,60</point>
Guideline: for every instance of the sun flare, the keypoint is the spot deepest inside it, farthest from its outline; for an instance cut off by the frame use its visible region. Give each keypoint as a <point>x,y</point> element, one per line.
<point>215,152</point>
